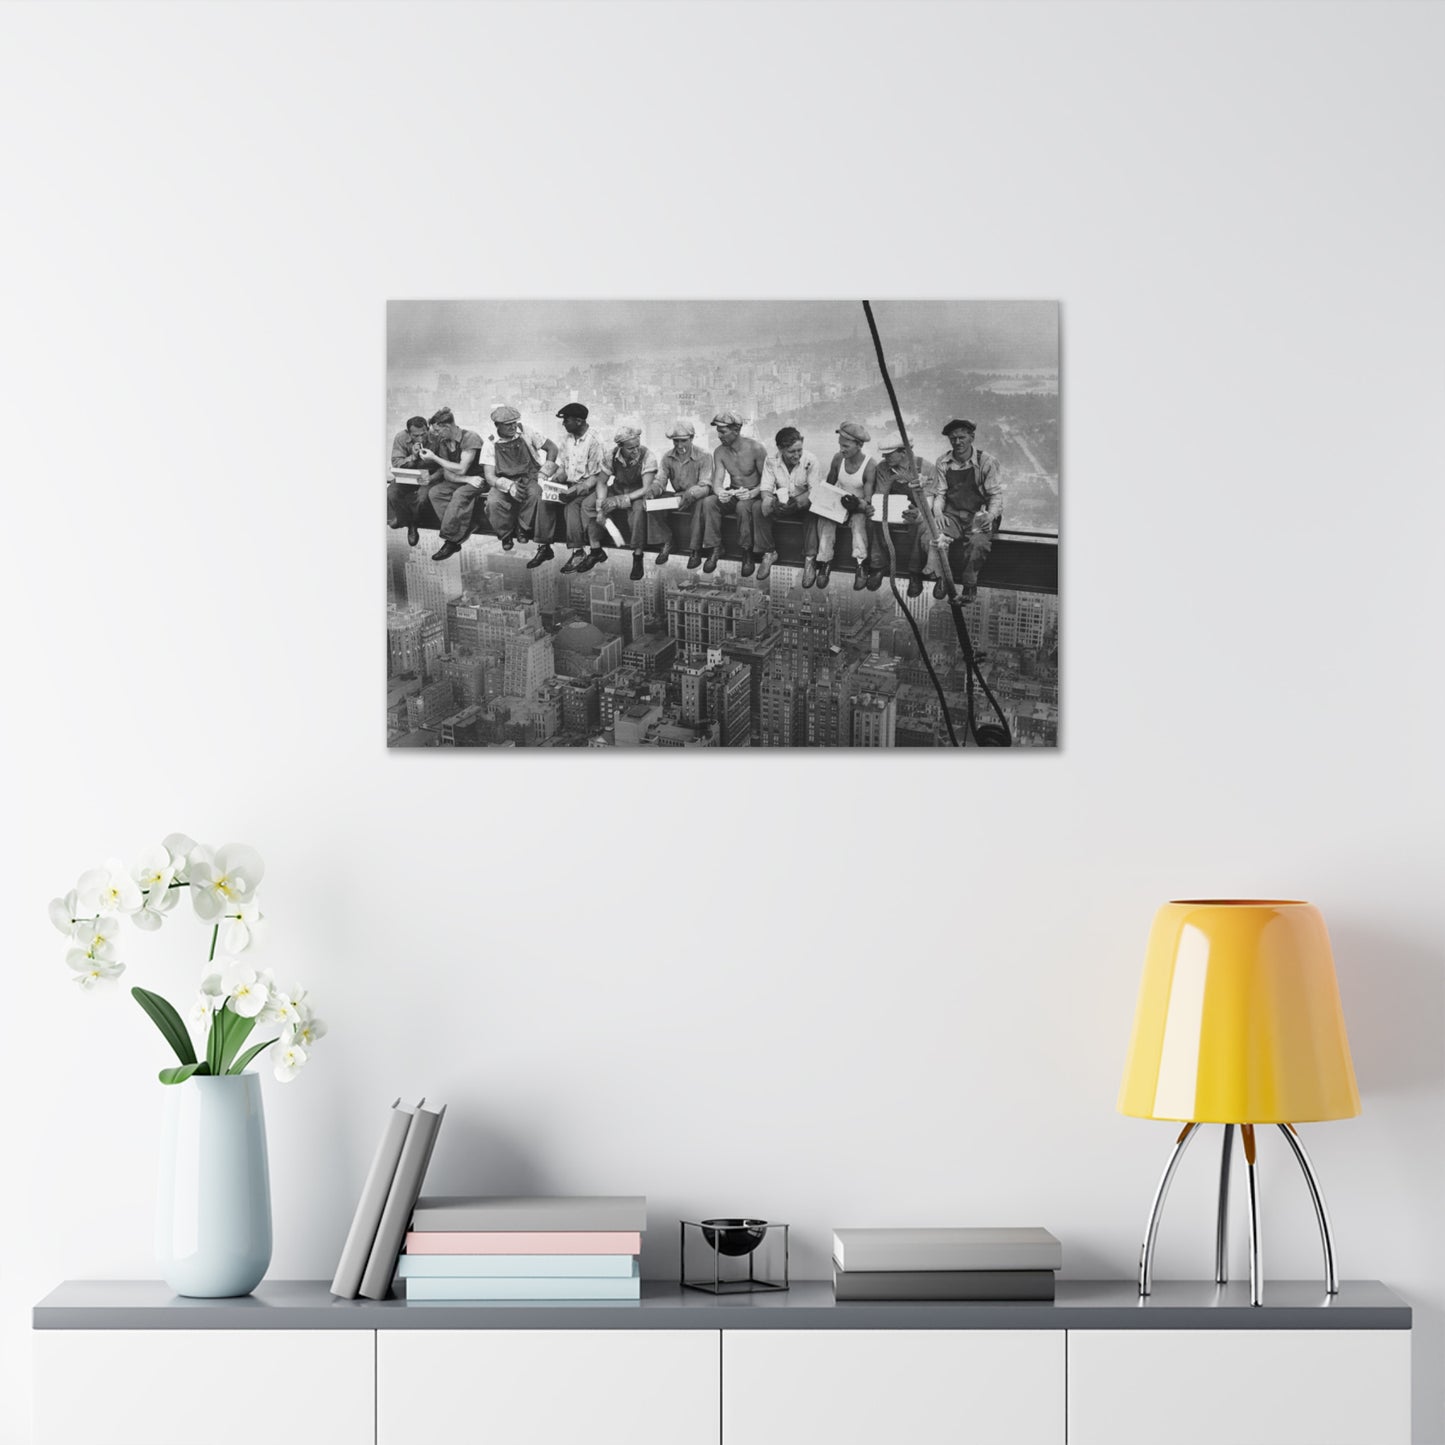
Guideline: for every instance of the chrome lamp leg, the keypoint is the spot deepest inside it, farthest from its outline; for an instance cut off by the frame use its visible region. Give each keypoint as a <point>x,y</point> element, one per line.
<point>1251,1174</point>
<point>1332,1279</point>
<point>1146,1255</point>
<point>1221,1227</point>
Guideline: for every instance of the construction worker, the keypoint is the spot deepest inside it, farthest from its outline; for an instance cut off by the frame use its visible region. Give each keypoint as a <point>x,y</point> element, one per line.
<point>688,470</point>
<point>739,464</point>
<point>964,492</point>
<point>584,465</point>
<point>787,486</point>
<point>456,453</point>
<point>852,473</point>
<point>512,460</point>
<point>633,482</point>
<point>402,498</point>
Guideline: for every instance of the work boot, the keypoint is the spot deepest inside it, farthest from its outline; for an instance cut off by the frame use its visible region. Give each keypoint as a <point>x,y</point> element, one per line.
<point>712,555</point>
<point>860,577</point>
<point>940,591</point>
<point>824,568</point>
<point>412,536</point>
<point>750,565</point>
<point>663,553</point>
<point>875,578</point>
<point>810,571</point>
<point>694,559</point>
<point>544,554</point>
<point>636,573</point>
<point>915,584</point>
<point>766,565</point>
<point>447,549</point>
<point>508,543</point>
<point>574,561</point>
<point>596,555</point>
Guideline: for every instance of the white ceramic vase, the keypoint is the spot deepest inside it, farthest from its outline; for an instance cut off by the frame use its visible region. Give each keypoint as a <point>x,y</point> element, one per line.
<point>213,1214</point>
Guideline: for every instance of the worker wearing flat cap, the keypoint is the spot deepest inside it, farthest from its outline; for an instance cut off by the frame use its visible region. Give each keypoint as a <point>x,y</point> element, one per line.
<point>740,462</point>
<point>965,495</point>
<point>456,452</point>
<point>852,472</point>
<point>688,471</point>
<point>513,458</point>
<point>632,484</point>
<point>403,498</point>
<point>584,467</point>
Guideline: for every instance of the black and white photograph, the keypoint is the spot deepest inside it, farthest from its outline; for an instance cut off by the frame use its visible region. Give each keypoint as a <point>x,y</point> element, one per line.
<point>722,523</point>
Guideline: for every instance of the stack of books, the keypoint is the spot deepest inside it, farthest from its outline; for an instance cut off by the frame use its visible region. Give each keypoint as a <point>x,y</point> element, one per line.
<point>945,1264</point>
<point>481,1247</point>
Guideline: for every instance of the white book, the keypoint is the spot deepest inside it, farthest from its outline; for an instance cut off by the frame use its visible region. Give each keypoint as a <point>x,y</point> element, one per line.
<point>524,1289</point>
<point>401,1197</point>
<point>946,1249</point>
<point>357,1249</point>
<point>517,1266</point>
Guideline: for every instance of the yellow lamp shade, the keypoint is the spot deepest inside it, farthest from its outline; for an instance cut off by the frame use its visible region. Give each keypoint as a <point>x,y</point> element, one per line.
<point>1239,1018</point>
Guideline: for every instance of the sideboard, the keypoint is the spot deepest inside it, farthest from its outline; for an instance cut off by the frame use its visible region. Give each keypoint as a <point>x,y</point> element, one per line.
<point>130,1363</point>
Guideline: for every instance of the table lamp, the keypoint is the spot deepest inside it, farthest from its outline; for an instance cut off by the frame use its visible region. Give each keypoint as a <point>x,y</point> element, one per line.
<point>1239,1023</point>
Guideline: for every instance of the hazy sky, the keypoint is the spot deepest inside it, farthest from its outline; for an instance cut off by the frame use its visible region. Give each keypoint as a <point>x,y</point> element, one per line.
<point>493,337</point>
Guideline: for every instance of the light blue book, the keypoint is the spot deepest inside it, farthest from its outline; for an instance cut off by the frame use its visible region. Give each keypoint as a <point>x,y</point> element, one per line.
<point>517,1266</point>
<point>478,1288</point>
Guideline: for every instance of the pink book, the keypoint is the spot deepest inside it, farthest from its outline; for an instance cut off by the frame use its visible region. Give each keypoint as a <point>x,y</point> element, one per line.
<point>545,1242</point>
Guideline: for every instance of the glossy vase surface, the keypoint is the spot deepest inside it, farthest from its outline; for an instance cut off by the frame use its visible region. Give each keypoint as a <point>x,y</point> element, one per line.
<point>213,1211</point>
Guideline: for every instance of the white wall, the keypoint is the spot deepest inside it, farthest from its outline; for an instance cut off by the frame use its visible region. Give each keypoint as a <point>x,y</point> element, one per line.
<point>1239,208</point>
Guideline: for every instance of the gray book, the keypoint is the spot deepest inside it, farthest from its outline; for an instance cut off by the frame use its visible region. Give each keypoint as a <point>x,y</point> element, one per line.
<point>400,1200</point>
<point>357,1249</point>
<point>943,1284</point>
<point>905,1249</point>
<point>613,1213</point>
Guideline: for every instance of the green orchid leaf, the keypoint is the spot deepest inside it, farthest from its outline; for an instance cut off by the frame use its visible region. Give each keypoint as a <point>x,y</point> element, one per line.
<point>237,1032</point>
<point>239,1067</point>
<point>180,1073</point>
<point>168,1021</point>
<point>216,1039</point>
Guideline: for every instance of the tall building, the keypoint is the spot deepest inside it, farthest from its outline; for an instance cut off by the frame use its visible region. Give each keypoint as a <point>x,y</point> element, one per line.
<point>427,708</point>
<point>651,656</point>
<point>467,675</point>
<point>403,640</point>
<point>700,616</point>
<point>529,662</point>
<point>581,704</point>
<point>429,584</point>
<point>781,704</point>
<point>464,629</point>
<point>875,718</point>
<point>756,653</point>
<point>619,617</point>
<point>827,708</point>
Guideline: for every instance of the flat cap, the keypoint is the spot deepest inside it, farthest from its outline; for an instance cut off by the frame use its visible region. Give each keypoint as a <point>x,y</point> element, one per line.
<point>958,424</point>
<point>890,442</point>
<point>505,413</point>
<point>727,418</point>
<point>681,428</point>
<point>573,408</point>
<point>625,434</point>
<point>854,429</point>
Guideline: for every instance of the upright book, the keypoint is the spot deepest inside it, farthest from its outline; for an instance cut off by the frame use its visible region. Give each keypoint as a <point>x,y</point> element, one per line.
<point>901,1249</point>
<point>401,1198</point>
<point>359,1238</point>
<point>583,1213</point>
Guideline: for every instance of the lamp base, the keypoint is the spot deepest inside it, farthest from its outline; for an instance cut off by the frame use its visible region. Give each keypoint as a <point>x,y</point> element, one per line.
<point>1221,1266</point>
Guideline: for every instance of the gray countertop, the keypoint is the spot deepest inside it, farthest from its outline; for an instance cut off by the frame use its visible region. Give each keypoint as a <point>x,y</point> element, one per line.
<point>808,1305</point>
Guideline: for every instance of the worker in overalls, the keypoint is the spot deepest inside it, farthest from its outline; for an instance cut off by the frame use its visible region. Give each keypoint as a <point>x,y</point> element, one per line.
<point>633,481</point>
<point>965,496</point>
<point>512,461</point>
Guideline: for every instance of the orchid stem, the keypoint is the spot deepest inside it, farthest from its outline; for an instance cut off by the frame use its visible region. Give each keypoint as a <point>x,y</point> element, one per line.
<point>215,933</point>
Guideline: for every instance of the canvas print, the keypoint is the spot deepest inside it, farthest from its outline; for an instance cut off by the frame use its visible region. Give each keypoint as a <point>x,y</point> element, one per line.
<point>722,524</point>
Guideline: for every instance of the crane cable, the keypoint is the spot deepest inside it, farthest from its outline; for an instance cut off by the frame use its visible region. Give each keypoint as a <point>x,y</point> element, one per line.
<point>989,734</point>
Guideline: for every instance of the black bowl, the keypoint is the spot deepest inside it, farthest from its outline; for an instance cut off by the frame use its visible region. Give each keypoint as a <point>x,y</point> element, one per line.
<point>734,1237</point>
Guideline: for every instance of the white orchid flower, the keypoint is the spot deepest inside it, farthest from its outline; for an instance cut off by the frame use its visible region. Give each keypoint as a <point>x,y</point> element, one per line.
<point>304,1031</point>
<point>91,971</point>
<point>211,997</point>
<point>248,995</point>
<point>222,882</point>
<point>290,1060</point>
<point>154,869</point>
<point>243,929</point>
<point>180,848</point>
<point>153,911</point>
<point>99,937</point>
<point>63,911</point>
<point>280,1009</point>
<point>108,889</point>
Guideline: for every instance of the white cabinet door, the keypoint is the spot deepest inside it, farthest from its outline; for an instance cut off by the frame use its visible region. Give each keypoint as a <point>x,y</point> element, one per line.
<point>1247,1387</point>
<point>893,1387</point>
<point>202,1387</point>
<point>547,1387</point>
